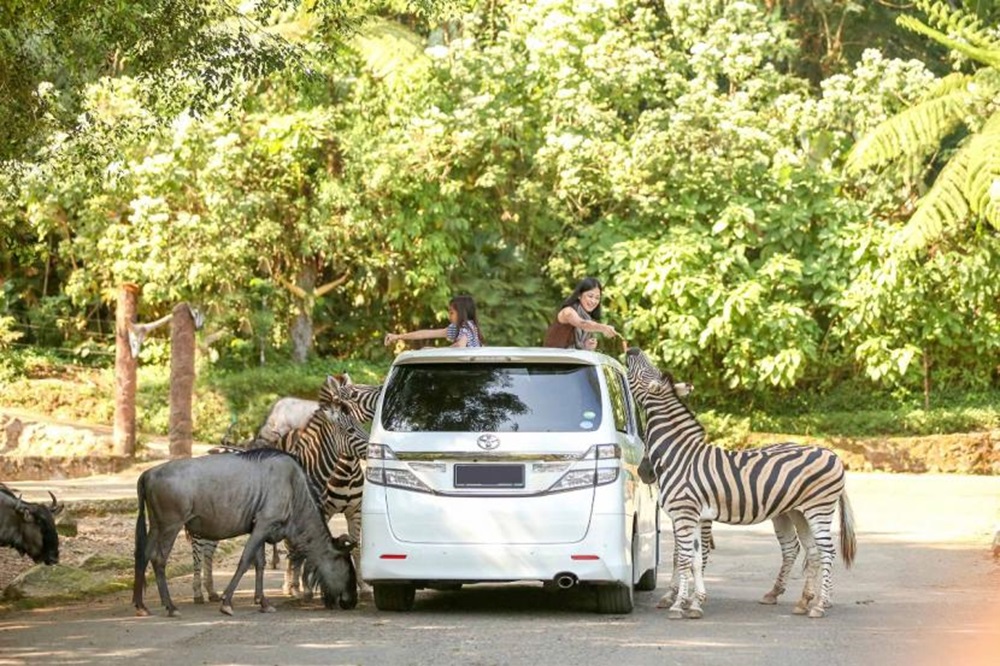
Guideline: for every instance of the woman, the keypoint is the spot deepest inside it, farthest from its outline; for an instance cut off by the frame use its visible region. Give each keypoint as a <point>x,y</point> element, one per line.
<point>579,318</point>
<point>463,331</point>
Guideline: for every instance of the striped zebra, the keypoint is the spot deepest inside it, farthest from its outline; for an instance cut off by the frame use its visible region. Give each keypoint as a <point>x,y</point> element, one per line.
<point>797,487</point>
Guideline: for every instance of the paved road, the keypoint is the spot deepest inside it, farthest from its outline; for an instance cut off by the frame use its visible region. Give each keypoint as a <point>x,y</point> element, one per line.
<point>924,591</point>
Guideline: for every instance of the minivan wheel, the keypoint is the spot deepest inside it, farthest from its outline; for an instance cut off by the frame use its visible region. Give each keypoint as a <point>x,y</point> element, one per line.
<point>614,599</point>
<point>394,596</point>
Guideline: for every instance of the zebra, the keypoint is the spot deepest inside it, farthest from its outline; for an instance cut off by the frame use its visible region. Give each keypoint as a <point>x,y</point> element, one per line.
<point>330,447</point>
<point>285,415</point>
<point>798,487</point>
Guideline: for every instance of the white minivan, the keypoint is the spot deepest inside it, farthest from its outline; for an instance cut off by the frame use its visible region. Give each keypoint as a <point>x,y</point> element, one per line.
<point>502,464</point>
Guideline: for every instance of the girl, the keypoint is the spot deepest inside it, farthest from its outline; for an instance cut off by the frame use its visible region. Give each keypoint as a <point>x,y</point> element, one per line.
<point>463,331</point>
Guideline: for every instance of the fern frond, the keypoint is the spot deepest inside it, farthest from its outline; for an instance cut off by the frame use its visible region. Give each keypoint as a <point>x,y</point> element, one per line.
<point>944,207</point>
<point>956,21</point>
<point>982,185</point>
<point>918,129</point>
<point>950,83</point>
<point>988,54</point>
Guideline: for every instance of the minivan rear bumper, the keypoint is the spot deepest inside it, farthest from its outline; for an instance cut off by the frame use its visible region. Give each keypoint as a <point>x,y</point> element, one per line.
<point>603,556</point>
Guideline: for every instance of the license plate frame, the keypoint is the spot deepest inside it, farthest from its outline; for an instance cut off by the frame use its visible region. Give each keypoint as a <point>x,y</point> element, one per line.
<point>489,475</point>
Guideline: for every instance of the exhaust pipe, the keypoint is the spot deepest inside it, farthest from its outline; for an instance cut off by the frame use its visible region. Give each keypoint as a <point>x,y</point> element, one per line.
<point>565,580</point>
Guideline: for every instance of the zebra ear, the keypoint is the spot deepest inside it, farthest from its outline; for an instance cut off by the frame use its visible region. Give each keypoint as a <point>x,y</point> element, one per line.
<point>346,379</point>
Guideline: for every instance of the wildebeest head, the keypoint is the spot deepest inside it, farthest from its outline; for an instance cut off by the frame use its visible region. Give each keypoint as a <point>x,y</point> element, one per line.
<point>342,567</point>
<point>31,527</point>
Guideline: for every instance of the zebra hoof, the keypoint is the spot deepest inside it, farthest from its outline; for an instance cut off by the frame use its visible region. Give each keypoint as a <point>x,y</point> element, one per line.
<point>214,597</point>
<point>142,612</point>
<point>694,613</point>
<point>199,600</point>
<point>226,609</point>
<point>675,614</point>
<point>173,612</point>
<point>665,602</point>
<point>268,609</point>
<point>799,609</point>
<point>816,612</point>
<point>770,599</point>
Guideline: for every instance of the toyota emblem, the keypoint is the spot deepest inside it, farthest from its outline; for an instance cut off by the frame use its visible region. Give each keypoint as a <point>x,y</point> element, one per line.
<point>488,442</point>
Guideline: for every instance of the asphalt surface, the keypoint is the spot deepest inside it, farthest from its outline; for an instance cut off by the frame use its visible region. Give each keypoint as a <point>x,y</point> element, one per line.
<point>924,590</point>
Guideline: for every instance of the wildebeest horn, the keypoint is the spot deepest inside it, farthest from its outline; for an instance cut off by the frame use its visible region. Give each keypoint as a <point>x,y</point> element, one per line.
<point>56,507</point>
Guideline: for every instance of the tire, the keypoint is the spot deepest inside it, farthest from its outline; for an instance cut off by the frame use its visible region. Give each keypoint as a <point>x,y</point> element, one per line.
<point>394,596</point>
<point>614,599</point>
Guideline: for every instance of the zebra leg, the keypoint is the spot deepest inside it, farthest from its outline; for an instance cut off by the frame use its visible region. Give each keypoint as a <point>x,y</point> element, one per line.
<point>275,556</point>
<point>196,564</point>
<point>812,563</point>
<point>667,600</point>
<point>819,521</point>
<point>684,539</point>
<point>693,610</point>
<point>784,529</point>
<point>208,564</point>
<point>353,515</point>
<point>293,574</point>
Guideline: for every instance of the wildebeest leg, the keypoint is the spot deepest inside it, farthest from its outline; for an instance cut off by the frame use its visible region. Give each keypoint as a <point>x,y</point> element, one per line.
<point>258,586</point>
<point>250,555</point>
<point>157,551</point>
<point>784,529</point>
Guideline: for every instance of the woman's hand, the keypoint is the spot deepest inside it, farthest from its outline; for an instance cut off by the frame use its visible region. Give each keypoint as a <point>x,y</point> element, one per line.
<point>590,344</point>
<point>609,331</point>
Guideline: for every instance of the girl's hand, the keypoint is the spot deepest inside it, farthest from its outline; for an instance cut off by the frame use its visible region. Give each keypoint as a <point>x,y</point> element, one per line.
<point>390,338</point>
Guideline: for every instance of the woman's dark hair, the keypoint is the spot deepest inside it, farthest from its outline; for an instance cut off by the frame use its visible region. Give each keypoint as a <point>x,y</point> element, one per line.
<point>465,308</point>
<point>586,284</point>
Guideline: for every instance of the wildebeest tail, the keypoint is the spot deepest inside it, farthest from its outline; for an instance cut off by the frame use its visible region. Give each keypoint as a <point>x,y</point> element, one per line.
<point>140,542</point>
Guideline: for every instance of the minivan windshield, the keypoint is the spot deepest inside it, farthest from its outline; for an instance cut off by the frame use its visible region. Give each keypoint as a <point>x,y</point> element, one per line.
<point>492,397</point>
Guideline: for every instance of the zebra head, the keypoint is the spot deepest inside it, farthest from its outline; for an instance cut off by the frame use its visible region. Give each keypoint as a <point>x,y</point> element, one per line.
<point>347,437</point>
<point>645,379</point>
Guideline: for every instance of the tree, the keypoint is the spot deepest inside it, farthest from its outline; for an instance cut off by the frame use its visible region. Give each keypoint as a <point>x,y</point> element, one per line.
<point>960,117</point>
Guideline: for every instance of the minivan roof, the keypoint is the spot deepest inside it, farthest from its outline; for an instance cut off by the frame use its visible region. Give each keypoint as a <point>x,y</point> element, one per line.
<point>504,355</point>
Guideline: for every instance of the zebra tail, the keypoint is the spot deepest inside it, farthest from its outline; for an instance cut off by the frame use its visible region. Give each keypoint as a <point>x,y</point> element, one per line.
<point>848,542</point>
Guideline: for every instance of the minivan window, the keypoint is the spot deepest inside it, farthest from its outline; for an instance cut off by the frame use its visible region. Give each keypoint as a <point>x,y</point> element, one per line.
<point>492,397</point>
<point>619,402</point>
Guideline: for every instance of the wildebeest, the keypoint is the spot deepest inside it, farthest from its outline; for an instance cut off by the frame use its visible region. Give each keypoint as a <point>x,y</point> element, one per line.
<point>261,492</point>
<point>28,527</point>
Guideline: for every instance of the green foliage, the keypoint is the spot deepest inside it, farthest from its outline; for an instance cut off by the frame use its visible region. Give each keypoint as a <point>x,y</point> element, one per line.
<point>965,187</point>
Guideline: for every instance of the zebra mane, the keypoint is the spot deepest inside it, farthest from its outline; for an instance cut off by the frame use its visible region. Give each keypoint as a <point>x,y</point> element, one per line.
<point>261,453</point>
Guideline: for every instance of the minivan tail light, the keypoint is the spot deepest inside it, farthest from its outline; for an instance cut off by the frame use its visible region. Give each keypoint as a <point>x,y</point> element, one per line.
<point>605,451</point>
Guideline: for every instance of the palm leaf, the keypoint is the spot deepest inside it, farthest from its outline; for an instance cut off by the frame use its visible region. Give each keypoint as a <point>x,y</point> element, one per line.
<point>982,185</point>
<point>941,208</point>
<point>391,50</point>
<point>917,130</point>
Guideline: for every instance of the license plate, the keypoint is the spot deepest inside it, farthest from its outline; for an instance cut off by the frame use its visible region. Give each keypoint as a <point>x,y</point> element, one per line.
<point>489,476</point>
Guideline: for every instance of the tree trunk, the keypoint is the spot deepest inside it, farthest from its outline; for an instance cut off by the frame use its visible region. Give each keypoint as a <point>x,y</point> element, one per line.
<point>181,381</point>
<point>302,325</point>
<point>302,334</point>
<point>125,375</point>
